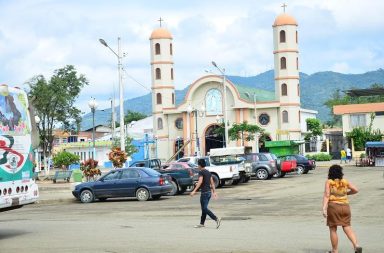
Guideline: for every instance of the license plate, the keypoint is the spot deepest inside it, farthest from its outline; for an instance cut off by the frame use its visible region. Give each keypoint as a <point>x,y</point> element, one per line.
<point>15,201</point>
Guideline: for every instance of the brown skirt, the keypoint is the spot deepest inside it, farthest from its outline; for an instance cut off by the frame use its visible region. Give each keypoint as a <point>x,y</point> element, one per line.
<point>338,215</point>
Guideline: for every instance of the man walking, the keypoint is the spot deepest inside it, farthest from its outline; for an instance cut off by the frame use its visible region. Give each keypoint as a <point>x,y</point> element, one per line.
<point>207,190</point>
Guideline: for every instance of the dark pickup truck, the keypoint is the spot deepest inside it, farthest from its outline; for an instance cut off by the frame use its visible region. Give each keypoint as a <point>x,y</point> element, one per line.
<point>182,179</point>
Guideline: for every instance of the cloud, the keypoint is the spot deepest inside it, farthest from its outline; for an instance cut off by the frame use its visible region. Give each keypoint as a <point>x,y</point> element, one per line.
<point>46,35</point>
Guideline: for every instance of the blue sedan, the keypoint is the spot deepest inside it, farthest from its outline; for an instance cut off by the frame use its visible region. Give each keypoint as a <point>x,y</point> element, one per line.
<point>142,183</point>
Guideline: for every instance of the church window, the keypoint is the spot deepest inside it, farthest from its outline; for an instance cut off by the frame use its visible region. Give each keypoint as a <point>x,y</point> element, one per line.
<point>298,89</point>
<point>282,36</point>
<point>171,49</point>
<point>283,63</point>
<point>159,123</point>
<point>157,48</point>
<point>297,63</point>
<point>179,123</point>
<point>158,74</point>
<point>284,91</point>
<point>285,117</point>
<point>158,99</point>
<point>173,98</point>
<point>171,73</point>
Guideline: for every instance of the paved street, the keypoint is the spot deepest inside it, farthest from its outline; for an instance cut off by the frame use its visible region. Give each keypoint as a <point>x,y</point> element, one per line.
<point>279,215</point>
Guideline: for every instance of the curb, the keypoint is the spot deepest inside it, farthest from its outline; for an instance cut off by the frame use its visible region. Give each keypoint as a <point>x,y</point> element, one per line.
<point>56,201</point>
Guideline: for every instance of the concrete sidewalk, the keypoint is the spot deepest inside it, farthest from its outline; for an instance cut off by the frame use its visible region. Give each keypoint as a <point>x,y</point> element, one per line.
<point>327,164</point>
<point>51,193</point>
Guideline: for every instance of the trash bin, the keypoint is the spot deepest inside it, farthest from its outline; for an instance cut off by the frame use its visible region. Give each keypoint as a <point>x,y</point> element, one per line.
<point>77,176</point>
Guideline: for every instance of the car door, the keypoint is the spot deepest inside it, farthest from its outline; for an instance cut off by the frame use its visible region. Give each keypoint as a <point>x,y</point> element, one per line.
<point>106,186</point>
<point>128,183</point>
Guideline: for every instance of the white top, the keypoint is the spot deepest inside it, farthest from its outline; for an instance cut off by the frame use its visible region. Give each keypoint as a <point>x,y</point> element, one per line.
<point>348,152</point>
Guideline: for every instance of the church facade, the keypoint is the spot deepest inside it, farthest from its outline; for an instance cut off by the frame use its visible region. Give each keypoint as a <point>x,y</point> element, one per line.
<point>192,123</point>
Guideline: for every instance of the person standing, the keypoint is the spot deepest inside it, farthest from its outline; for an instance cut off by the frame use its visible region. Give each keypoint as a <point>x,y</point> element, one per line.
<point>207,190</point>
<point>349,155</point>
<point>336,207</point>
<point>343,156</point>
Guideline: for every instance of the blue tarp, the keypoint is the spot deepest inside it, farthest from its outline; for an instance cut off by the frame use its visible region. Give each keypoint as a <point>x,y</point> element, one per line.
<point>374,144</point>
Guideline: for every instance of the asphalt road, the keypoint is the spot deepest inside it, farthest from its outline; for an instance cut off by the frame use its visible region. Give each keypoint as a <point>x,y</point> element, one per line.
<point>275,216</point>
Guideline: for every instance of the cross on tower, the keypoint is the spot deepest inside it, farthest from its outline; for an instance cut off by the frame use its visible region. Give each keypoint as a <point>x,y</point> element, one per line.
<point>284,6</point>
<point>160,20</point>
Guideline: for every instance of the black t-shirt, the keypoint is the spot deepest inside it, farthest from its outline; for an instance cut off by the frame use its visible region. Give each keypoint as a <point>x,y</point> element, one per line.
<point>206,185</point>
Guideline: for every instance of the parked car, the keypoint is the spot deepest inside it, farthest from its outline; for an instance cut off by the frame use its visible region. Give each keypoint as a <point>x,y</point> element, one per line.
<point>185,165</point>
<point>181,178</point>
<point>221,174</point>
<point>142,183</point>
<point>284,166</point>
<point>149,163</point>
<point>263,165</point>
<point>304,165</point>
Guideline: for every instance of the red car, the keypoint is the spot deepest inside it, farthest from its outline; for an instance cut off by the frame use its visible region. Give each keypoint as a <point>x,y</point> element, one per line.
<point>285,166</point>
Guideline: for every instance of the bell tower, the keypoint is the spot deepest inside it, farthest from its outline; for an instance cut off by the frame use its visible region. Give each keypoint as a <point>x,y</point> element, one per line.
<point>286,64</point>
<point>163,89</point>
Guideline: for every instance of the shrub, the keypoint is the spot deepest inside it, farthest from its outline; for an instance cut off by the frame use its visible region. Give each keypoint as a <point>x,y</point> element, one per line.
<point>65,158</point>
<point>320,157</point>
<point>89,169</point>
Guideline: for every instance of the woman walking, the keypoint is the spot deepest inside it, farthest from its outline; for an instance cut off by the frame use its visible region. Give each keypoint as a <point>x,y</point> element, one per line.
<point>336,207</point>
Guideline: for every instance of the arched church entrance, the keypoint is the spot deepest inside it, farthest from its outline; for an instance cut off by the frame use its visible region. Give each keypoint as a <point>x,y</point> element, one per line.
<point>213,139</point>
<point>262,139</point>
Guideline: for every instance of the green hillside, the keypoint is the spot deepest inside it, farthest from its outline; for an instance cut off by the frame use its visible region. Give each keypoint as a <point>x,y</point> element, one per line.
<point>315,90</point>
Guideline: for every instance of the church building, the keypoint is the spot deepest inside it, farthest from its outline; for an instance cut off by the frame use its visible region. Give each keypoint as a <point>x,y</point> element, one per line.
<point>192,123</point>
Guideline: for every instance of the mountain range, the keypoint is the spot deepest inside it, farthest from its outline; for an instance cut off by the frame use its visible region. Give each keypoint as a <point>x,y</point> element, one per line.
<point>315,89</point>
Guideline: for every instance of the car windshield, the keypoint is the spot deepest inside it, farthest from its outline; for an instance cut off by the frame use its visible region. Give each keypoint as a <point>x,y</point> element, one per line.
<point>300,157</point>
<point>151,172</point>
<point>274,156</point>
<point>222,160</point>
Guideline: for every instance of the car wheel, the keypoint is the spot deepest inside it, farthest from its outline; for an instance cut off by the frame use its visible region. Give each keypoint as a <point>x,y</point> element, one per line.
<point>236,181</point>
<point>216,180</point>
<point>262,174</point>
<point>142,194</point>
<point>300,170</point>
<point>183,189</point>
<point>156,197</point>
<point>305,171</point>
<point>175,189</point>
<point>277,174</point>
<point>102,199</point>
<point>86,196</point>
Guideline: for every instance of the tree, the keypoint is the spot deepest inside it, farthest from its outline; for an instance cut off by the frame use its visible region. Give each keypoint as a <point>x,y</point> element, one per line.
<point>54,100</point>
<point>244,131</point>
<point>314,128</point>
<point>133,116</point>
<point>65,159</point>
<point>130,149</point>
<point>360,135</point>
<point>338,98</point>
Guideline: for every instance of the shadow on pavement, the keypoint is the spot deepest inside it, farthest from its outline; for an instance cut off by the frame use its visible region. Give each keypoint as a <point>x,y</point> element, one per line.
<point>6,234</point>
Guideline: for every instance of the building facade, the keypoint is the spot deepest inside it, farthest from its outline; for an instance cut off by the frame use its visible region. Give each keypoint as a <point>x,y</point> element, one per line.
<point>192,123</point>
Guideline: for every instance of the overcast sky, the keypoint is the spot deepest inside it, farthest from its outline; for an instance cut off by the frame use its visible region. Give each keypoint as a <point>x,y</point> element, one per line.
<point>39,36</point>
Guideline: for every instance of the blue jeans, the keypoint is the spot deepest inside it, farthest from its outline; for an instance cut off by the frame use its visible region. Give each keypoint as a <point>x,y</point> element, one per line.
<point>204,201</point>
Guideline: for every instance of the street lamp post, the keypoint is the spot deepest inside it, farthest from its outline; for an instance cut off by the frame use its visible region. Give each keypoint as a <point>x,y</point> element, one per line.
<point>197,113</point>
<point>121,90</point>
<point>37,121</point>
<point>93,105</point>
<point>255,115</point>
<point>222,71</point>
